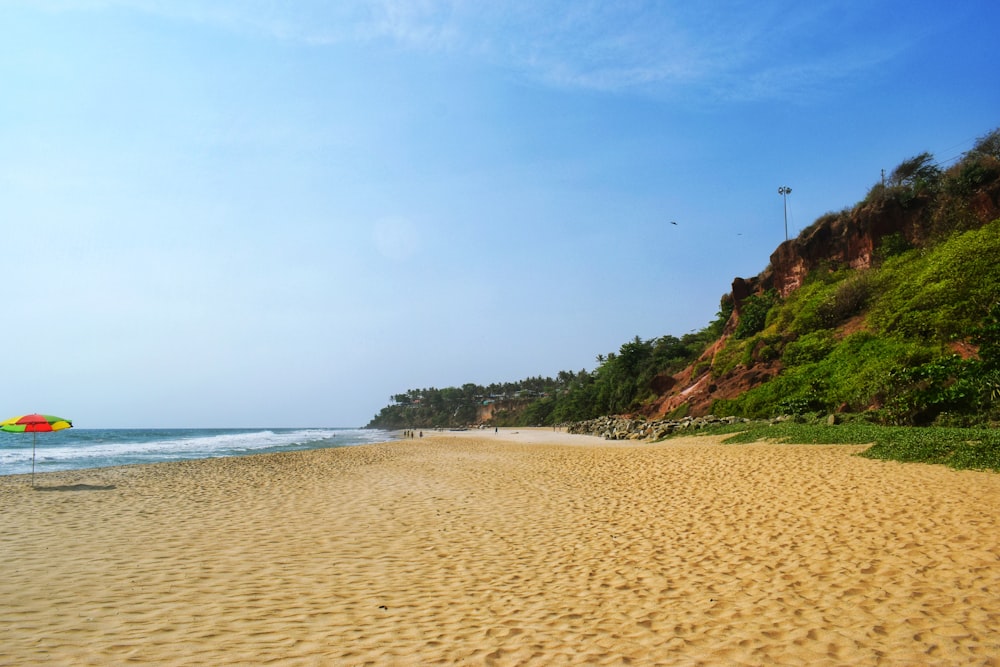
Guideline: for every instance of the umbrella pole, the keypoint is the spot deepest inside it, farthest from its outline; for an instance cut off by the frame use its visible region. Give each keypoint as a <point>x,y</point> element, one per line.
<point>34,436</point>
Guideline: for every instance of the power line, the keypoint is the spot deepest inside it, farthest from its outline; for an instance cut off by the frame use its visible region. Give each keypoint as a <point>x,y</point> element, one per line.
<point>943,163</point>
<point>946,161</point>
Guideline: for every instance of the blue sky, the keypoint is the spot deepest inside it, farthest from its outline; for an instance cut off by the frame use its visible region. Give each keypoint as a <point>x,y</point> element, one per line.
<point>249,213</point>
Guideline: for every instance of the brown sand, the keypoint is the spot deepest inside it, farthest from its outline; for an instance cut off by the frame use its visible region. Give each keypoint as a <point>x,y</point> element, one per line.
<point>478,549</point>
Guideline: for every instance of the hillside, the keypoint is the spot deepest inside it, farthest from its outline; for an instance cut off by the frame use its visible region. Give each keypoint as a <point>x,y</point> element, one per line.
<point>888,308</point>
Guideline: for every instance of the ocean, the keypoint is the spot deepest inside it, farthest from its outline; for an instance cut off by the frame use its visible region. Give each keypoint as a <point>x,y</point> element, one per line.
<point>77,448</point>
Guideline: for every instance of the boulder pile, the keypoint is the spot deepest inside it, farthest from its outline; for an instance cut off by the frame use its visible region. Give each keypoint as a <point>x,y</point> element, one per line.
<point>625,428</point>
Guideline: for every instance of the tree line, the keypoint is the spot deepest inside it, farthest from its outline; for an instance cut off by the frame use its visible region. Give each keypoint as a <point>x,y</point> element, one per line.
<point>622,381</point>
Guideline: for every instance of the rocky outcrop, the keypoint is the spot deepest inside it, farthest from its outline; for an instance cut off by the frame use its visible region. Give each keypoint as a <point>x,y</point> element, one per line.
<point>850,238</point>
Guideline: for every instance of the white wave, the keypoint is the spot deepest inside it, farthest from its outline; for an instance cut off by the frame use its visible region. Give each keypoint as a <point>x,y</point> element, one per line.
<point>147,448</point>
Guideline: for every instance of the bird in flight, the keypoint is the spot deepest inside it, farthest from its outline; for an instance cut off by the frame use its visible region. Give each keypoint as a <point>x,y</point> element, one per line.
<point>672,222</point>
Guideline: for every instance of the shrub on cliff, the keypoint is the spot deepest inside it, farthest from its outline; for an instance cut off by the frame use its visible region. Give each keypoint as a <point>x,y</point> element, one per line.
<point>853,373</point>
<point>753,314</point>
<point>941,293</point>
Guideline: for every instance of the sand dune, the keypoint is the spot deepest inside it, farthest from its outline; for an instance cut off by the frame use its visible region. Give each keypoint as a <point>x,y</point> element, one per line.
<point>529,548</point>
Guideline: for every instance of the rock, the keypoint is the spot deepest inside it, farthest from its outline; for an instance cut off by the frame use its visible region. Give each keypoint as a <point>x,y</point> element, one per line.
<point>625,428</point>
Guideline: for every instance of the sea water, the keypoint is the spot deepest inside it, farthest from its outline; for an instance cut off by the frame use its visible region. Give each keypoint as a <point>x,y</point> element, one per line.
<point>77,448</point>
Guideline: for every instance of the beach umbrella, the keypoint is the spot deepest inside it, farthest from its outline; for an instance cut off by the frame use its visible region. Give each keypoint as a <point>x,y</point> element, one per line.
<point>34,424</point>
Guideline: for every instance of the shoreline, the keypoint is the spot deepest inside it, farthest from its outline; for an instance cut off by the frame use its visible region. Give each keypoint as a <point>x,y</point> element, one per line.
<point>527,547</point>
<point>536,435</point>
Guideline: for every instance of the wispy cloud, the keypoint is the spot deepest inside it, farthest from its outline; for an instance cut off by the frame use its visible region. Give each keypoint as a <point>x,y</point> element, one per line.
<point>732,51</point>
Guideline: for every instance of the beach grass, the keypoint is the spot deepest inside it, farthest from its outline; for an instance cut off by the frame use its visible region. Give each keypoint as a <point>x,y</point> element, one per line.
<point>959,448</point>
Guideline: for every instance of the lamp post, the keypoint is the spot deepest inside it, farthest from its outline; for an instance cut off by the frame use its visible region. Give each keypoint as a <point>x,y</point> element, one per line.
<point>784,191</point>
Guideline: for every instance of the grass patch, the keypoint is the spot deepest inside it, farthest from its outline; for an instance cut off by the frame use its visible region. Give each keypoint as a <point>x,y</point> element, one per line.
<point>959,448</point>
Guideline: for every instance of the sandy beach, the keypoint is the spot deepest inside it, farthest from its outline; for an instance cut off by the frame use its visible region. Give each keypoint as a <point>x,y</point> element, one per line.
<point>526,548</point>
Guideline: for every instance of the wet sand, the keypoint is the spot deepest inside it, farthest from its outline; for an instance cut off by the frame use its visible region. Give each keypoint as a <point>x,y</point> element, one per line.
<point>531,548</point>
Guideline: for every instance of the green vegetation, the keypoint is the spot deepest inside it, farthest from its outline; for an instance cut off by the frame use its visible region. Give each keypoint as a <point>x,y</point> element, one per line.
<point>754,315</point>
<point>900,367</point>
<point>912,340</point>
<point>960,448</point>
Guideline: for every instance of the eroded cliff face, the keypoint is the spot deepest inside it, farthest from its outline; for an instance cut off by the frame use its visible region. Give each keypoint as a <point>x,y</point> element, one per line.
<point>847,239</point>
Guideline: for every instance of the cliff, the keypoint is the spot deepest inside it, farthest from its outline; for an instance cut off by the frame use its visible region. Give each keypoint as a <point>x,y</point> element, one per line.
<point>852,238</point>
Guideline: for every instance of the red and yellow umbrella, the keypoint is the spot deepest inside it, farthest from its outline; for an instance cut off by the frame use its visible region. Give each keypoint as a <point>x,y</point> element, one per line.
<point>34,424</point>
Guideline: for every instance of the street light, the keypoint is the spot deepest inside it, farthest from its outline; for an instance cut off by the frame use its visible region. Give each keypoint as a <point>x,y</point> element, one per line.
<point>784,191</point>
